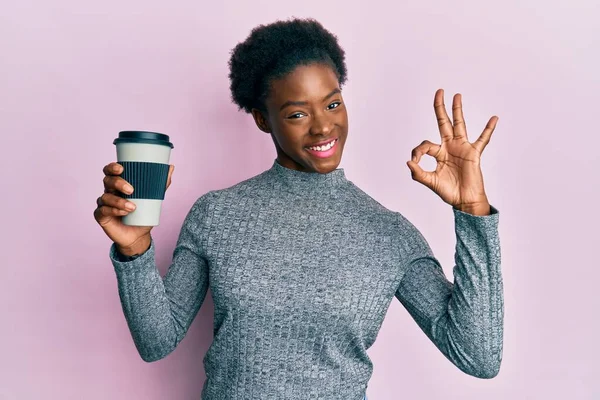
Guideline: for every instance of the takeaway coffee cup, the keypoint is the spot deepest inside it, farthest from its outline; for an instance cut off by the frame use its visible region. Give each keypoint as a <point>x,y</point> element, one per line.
<point>145,160</point>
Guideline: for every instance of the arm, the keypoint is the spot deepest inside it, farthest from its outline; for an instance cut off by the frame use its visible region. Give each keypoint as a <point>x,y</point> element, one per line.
<point>159,311</point>
<point>463,319</point>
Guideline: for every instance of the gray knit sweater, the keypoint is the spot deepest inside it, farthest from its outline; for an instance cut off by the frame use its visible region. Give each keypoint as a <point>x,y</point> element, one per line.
<point>302,268</point>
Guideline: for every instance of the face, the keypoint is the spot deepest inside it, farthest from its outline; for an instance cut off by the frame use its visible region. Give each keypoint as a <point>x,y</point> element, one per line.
<point>305,108</point>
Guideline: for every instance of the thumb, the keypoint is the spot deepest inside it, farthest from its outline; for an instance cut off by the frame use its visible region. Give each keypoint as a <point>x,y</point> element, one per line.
<point>171,169</point>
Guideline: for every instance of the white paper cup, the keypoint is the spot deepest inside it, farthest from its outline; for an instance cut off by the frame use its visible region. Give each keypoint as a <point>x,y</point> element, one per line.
<point>145,160</point>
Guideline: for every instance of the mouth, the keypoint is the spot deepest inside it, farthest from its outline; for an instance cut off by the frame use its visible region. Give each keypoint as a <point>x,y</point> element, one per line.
<point>325,150</point>
<point>323,145</point>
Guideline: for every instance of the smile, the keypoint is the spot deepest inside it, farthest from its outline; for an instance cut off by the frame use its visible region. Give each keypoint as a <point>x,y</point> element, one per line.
<point>324,151</point>
<point>324,147</point>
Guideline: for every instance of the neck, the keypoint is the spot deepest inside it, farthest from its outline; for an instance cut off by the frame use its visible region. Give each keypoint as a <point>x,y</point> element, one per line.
<point>308,183</point>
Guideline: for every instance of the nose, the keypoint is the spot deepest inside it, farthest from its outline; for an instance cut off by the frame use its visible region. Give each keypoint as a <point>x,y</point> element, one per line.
<point>322,125</point>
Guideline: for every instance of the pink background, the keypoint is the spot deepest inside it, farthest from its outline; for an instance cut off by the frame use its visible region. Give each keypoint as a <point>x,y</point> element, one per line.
<point>73,75</point>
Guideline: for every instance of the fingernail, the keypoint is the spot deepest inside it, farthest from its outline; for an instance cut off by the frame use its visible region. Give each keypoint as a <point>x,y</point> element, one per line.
<point>130,206</point>
<point>128,188</point>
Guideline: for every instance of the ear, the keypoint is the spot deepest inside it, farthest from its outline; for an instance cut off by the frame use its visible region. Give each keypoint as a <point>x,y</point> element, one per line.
<point>261,120</point>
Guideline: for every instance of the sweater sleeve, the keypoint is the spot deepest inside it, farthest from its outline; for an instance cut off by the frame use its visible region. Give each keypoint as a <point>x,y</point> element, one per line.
<point>159,311</point>
<point>464,319</point>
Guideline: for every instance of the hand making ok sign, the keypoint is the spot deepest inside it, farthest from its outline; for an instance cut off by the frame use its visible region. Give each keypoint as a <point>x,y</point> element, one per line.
<point>457,178</point>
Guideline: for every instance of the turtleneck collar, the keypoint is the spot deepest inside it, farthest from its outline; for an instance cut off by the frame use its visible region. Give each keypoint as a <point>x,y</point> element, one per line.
<point>307,182</point>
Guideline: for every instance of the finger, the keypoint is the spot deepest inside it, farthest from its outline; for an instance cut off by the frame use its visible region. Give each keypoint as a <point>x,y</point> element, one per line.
<point>444,123</point>
<point>105,213</point>
<point>426,147</point>
<point>458,121</point>
<point>113,211</point>
<point>115,184</point>
<point>171,169</point>
<point>418,174</point>
<point>486,135</point>
<point>112,200</point>
<point>112,169</point>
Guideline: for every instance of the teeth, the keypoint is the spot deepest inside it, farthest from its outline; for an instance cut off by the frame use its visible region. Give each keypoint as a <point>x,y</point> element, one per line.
<point>323,148</point>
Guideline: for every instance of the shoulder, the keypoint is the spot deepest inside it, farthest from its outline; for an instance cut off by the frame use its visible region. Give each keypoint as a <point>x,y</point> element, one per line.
<point>369,209</point>
<point>228,197</point>
<point>406,236</point>
<point>409,239</point>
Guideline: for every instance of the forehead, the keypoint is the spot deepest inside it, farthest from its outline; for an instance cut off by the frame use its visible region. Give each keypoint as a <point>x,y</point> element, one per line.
<point>305,83</point>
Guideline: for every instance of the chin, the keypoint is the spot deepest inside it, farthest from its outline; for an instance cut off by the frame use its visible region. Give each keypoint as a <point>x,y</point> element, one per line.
<point>326,166</point>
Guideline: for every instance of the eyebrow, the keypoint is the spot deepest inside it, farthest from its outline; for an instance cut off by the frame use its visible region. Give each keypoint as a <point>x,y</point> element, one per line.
<point>303,103</point>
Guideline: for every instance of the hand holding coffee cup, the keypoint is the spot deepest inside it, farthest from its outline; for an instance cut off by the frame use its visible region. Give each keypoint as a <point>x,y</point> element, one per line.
<point>143,167</point>
<point>112,207</point>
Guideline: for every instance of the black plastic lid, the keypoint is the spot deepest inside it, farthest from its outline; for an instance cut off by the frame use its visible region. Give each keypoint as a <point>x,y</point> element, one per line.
<point>143,137</point>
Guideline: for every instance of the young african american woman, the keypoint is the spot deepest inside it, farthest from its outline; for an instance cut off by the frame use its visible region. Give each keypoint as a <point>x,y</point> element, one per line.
<point>301,263</point>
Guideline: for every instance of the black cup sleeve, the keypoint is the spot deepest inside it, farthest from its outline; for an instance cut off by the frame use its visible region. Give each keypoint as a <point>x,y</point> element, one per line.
<point>149,180</point>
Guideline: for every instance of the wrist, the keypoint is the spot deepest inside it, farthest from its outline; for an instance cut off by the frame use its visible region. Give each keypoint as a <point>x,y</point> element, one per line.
<point>475,209</point>
<point>138,247</point>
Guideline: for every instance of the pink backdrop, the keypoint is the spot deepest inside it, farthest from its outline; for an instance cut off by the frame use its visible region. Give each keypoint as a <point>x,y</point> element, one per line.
<point>73,75</point>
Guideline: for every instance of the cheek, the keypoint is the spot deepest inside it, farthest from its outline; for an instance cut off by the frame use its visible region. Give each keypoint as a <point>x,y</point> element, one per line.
<point>342,118</point>
<point>290,134</point>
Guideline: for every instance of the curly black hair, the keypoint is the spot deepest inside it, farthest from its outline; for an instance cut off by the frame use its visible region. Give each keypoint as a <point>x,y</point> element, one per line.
<point>272,51</point>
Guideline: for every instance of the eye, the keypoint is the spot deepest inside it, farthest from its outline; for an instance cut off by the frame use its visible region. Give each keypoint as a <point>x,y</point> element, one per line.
<point>335,104</point>
<point>295,116</point>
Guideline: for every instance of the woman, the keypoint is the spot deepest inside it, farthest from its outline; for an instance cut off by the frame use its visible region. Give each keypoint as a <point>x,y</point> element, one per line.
<point>301,263</point>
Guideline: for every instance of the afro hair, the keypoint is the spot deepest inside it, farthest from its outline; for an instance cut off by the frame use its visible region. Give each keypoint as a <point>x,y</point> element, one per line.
<point>272,51</point>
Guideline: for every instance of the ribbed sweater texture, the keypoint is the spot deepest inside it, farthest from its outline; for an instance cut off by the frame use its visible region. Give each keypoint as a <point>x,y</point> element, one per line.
<point>302,268</point>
